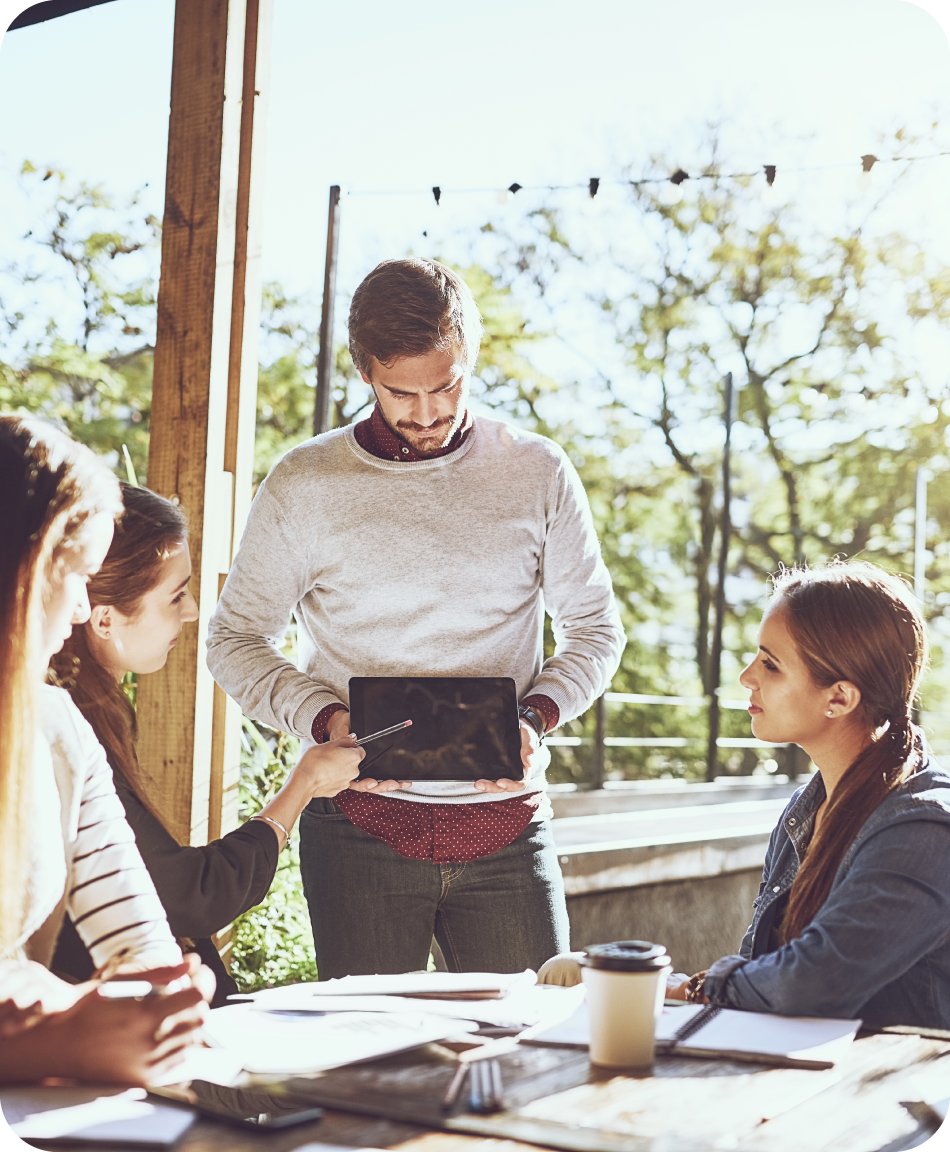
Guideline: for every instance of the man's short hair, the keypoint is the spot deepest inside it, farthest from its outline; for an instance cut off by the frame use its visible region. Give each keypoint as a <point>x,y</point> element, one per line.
<point>412,307</point>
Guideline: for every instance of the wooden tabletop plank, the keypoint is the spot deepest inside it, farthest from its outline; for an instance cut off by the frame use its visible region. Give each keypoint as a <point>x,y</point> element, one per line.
<point>686,1105</point>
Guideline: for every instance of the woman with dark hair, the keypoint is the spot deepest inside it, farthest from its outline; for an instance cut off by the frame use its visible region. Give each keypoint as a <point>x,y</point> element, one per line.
<point>852,919</point>
<point>140,602</point>
<point>64,843</point>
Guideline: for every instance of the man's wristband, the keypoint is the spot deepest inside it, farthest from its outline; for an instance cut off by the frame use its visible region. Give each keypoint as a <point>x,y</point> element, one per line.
<point>535,719</point>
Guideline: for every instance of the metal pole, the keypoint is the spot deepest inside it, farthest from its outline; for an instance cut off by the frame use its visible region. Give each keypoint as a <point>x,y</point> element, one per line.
<point>920,535</point>
<point>725,532</point>
<point>598,762</point>
<point>321,411</point>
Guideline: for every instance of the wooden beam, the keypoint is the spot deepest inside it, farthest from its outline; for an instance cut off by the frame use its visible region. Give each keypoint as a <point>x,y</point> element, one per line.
<point>203,393</point>
<point>321,411</point>
<point>241,414</point>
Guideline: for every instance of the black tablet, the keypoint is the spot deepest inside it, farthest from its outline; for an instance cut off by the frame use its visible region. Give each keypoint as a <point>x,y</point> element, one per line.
<point>463,727</point>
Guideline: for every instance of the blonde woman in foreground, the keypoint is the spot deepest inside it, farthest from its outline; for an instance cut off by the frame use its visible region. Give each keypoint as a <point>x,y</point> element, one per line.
<point>852,919</point>
<point>64,843</point>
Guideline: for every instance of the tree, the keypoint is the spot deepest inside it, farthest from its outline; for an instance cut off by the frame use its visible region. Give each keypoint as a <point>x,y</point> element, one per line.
<point>836,409</point>
<point>89,366</point>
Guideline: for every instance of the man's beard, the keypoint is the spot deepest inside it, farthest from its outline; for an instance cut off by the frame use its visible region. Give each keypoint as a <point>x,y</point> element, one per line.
<point>407,431</point>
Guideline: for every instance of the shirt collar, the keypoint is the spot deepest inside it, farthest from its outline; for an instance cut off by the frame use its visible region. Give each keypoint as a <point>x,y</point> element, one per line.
<point>376,437</point>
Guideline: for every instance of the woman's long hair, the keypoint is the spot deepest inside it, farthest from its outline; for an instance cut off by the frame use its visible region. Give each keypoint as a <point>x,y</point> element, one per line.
<point>148,530</point>
<point>50,488</point>
<point>855,622</point>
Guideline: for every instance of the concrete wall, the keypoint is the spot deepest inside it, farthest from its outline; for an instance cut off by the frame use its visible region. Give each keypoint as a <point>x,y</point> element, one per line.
<point>698,919</point>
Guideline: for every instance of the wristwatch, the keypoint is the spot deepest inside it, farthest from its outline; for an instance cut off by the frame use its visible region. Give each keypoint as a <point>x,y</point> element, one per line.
<point>535,719</point>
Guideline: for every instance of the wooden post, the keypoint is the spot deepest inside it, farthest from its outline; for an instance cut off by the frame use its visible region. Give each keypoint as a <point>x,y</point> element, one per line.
<point>725,533</point>
<point>598,766</point>
<point>321,409</point>
<point>241,423</point>
<point>204,387</point>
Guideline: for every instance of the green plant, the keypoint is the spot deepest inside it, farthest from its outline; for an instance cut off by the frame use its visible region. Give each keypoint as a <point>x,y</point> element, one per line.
<point>273,942</point>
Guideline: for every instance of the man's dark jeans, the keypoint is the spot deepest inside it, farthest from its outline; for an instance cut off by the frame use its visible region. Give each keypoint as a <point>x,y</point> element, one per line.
<point>373,910</point>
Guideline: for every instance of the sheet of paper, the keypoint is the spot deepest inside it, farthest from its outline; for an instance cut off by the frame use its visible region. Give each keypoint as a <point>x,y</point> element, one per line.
<point>797,1037</point>
<point>406,984</point>
<point>575,1030</point>
<point>216,1065</point>
<point>285,1043</point>
<point>123,1118</point>
<point>521,1008</point>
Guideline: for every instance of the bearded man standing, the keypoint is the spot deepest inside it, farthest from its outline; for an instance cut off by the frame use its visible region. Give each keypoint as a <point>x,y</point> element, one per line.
<point>422,541</point>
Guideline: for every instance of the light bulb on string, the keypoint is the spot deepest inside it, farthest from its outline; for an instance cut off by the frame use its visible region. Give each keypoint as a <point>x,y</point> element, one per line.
<point>868,177</point>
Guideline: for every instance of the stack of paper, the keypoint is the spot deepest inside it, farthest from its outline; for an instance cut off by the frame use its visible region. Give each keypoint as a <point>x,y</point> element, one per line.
<point>285,1043</point>
<point>307,1028</point>
<point>440,985</point>
<point>523,1007</point>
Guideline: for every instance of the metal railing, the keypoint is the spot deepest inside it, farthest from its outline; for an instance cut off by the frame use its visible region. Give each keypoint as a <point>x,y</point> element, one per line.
<point>602,741</point>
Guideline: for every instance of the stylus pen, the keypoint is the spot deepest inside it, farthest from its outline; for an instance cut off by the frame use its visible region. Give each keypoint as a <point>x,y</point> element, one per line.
<point>384,732</point>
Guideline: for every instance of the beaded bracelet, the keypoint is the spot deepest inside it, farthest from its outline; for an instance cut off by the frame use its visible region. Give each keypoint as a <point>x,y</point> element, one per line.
<point>694,988</point>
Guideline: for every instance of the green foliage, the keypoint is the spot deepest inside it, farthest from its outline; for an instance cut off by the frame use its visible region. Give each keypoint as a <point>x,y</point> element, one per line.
<point>89,367</point>
<point>836,406</point>
<point>273,942</point>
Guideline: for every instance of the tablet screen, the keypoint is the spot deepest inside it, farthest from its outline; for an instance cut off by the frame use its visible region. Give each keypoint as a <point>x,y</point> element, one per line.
<point>463,727</point>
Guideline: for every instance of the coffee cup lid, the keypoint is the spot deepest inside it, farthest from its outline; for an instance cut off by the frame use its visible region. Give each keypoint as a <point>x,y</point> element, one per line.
<point>627,956</point>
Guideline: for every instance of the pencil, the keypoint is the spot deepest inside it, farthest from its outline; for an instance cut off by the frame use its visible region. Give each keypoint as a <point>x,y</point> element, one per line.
<point>384,732</point>
<point>455,1087</point>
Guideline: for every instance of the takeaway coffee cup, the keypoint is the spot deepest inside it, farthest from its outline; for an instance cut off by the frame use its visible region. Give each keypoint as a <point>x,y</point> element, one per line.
<point>626,984</point>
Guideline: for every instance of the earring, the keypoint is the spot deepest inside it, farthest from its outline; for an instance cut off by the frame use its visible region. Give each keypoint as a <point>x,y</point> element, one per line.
<point>828,713</point>
<point>107,635</point>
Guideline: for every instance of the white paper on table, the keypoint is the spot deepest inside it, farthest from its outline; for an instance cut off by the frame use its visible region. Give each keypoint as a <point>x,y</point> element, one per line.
<point>285,1044</point>
<point>126,1118</point>
<point>538,1004</point>
<point>57,1122</point>
<point>791,1037</point>
<point>214,1065</point>
<point>405,984</point>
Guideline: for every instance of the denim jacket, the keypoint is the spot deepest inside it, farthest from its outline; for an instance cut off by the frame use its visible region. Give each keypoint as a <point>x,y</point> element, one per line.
<point>879,948</point>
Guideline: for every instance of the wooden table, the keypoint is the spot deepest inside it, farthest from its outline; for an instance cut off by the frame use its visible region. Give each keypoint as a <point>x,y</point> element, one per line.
<point>686,1105</point>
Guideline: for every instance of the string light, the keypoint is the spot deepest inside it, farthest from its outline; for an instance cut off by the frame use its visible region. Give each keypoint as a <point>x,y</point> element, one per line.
<point>437,193</point>
<point>770,174</point>
<point>592,185</point>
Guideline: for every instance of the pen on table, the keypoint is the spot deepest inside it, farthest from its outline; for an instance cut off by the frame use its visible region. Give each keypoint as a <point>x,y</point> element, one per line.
<point>384,732</point>
<point>455,1086</point>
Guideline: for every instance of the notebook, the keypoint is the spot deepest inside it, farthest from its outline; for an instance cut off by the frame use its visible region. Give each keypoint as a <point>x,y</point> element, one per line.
<point>708,1031</point>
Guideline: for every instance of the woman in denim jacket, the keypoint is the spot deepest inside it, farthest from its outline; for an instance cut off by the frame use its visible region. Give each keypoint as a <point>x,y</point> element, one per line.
<point>852,919</point>
<point>853,914</point>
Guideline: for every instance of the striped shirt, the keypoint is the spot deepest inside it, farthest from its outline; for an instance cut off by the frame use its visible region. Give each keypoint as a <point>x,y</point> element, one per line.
<point>109,894</point>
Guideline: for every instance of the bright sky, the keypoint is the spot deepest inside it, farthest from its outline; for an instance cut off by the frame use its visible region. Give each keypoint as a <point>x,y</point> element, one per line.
<point>381,96</point>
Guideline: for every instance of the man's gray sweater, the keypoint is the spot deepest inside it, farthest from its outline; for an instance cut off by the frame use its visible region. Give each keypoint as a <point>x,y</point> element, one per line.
<point>440,567</point>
